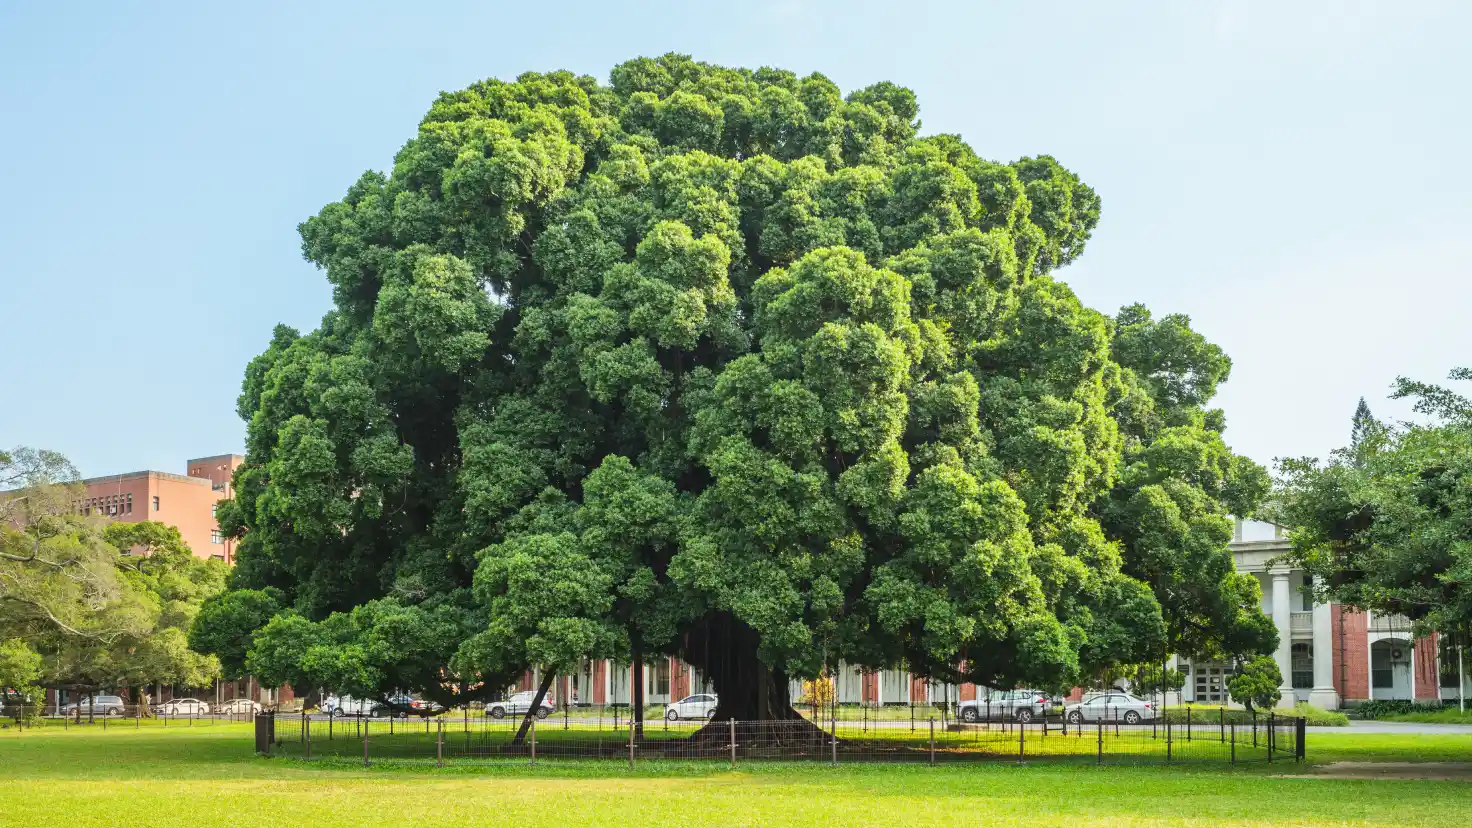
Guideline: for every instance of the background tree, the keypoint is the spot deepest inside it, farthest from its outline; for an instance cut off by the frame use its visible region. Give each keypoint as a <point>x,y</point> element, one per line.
<point>726,365</point>
<point>1386,523</point>
<point>1178,482</point>
<point>20,675</point>
<point>58,574</point>
<point>1255,683</point>
<point>106,605</point>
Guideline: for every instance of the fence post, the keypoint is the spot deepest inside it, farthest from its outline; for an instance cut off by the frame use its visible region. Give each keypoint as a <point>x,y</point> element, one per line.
<point>1188,724</point>
<point>1222,723</point>
<point>1100,759</point>
<point>1169,741</point>
<point>1254,728</point>
<point>534,740</point>
<point>1272,734</point>
<point>307,730</point>
<point>631,742</point>
<point>733,743</point>
<point>1233,726</point>
<point>833,732</point>
<point>365,743</point>
<point>439,744</point>
<point>1300,731</point>
<point>932,740</point>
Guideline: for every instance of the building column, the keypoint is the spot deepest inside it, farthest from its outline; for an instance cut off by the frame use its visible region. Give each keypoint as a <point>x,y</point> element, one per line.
<point>1323,695</point>
<point>1282,616</point>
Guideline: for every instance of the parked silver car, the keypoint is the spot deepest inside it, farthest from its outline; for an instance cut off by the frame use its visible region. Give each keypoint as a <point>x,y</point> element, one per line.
<point>98,705</point>
<point>240,707</point>
<point>698,706</point>
<point>517,704</point>
<point>1022,705</point>
<point>182,707</point>
<point>1110,707</point>
<point>346,706</point>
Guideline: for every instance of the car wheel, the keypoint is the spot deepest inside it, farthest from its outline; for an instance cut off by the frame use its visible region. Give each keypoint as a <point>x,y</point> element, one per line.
<point>1131,717</point>
<point>543,712</point>
<point>970,715</point>
<point>498,712</point>
<point>671,715</point>
<point>1076,717</point>
<point>1024,715</point>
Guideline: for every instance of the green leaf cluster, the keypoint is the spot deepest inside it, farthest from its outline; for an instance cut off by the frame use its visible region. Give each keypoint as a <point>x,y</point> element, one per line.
<point>724,364</point>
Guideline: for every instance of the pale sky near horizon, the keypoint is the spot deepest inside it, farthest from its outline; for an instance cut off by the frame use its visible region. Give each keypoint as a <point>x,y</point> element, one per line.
<point>1291,175</point>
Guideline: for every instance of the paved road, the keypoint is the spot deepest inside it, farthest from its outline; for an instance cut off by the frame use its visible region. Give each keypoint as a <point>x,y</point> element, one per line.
<point>1408,728</point>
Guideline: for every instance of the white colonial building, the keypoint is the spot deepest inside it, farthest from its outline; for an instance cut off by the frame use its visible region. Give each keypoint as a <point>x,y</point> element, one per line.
<point>1330,656</point>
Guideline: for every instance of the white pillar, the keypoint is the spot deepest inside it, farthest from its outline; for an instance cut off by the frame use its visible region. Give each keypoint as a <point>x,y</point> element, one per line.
<point>1323,695</point>
<point>1282,613</point>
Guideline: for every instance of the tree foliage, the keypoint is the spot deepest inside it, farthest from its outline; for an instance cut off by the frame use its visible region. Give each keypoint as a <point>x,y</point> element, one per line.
<point>1255,685</point>
<point>724,364</point>
<point>104,604</point>
<point>20,673</point>
<point>1386,523</point>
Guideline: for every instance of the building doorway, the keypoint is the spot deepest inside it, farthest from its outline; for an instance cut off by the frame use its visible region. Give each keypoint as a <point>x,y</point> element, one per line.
<point>1390,669</point>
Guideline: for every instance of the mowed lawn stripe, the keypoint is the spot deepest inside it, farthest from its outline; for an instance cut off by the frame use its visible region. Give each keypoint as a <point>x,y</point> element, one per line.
<point>208,777</point>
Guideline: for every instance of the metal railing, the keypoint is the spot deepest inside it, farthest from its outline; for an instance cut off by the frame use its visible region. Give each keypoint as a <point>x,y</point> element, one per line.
<point>1221,738</point>
<point>112,716</point>
<point>1389,623</point>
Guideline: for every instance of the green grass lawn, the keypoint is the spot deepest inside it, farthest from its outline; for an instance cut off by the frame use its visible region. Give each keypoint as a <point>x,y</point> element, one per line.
<point>206,776</point>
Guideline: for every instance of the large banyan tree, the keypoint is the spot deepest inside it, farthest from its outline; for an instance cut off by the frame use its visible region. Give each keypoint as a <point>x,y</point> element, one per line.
<point>726,365</point>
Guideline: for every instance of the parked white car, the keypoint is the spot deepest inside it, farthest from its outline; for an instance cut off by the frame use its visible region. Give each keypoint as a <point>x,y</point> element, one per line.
<point>182,707</point>
<point>346,706</point>
<point>1022,705</point>
<point>95,705</point>
<point>240,707</point>
<point>698,706</point>
<point>1110,707</point>
<point>517,704</point>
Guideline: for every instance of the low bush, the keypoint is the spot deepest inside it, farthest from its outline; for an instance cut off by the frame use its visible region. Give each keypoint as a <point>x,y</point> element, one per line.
<point>1314,716</point>
<point>1381,708</point>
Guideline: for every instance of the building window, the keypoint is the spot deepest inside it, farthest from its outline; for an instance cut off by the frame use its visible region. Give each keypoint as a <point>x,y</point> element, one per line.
<point>216,536</point>
<point>1448,658</point>
<point>155,503</point>
<point>1382,672</point>
<point>659,674</point>
<point>214,510</point>
<point>1302,665</point>
<point>1308,592</point>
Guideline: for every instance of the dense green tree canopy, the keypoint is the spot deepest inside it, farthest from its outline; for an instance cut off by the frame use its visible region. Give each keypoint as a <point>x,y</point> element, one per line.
<point>1386,523</point>
<point>724,364</point>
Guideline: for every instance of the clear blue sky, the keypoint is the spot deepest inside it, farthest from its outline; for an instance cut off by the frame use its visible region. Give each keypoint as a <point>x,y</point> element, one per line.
<point>1292,175</point>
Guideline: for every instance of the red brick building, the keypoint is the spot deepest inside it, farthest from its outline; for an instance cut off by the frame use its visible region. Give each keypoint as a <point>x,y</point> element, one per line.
<point>184,501</point>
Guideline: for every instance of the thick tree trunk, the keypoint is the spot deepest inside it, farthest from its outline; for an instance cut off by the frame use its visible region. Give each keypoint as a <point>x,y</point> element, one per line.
<point>747,690</point>
<point>526,721</point>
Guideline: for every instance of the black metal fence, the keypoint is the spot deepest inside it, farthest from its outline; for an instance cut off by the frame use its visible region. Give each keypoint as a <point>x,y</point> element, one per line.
<point>1222,739</point>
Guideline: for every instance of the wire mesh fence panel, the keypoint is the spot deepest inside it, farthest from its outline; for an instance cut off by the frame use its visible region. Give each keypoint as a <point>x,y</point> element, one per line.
<point>120,716</point>
<point>449,739</point>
